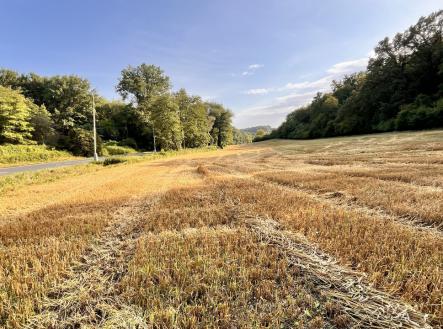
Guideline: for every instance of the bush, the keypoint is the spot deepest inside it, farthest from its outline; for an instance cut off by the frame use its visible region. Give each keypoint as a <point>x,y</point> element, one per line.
<point>112,161</point>
<point>130,142</point>
<point>81,142</point>
<point>14,154</point>
<point>420,117</point>
<point>15,111</point>
<point>118,150</point>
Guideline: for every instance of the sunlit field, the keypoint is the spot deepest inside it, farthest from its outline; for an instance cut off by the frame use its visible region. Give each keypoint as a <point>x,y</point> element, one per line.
<point>329,233</point>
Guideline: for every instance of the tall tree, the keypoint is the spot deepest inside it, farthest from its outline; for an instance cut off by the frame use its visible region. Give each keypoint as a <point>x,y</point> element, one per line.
<point>221,131</point>
<point>41,123</point>
<point>15,112</point>
<point>166,120</point>
<point>10,78</point>
<point>194,119</point>
<point>121,122</point>
<point>143,85</point>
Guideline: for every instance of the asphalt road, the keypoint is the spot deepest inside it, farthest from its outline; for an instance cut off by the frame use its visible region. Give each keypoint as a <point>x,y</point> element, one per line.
<point>50,165</point>
<point>40,166</point>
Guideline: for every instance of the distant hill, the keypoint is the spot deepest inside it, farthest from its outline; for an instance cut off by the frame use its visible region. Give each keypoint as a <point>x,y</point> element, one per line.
<point>253,130</point>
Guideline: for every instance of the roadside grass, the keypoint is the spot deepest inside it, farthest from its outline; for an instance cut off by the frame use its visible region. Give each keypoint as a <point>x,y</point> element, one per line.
<point>117,150</point>
<point>13,182</point>
<point>12,155</point>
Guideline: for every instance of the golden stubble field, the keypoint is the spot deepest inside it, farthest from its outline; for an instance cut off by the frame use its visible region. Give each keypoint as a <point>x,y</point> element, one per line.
<point>333,233</point>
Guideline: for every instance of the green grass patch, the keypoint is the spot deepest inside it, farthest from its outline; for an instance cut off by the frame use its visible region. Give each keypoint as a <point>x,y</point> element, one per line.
<point>10,183</point>
<point>117,150</point>
<point>113,161</point>
<point>27,154</point>
<point>150,156</point>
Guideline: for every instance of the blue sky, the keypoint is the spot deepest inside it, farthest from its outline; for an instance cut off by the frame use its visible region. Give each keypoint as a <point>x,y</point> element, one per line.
<point>260,58</point>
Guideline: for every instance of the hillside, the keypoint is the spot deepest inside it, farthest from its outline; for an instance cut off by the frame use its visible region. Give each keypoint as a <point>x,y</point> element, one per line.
<point>401,89</point>
<point>253,130</point>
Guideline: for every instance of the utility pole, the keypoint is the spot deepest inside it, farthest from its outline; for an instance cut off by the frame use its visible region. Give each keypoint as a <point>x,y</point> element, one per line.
<point>94,128</point>
<point>153,133</point>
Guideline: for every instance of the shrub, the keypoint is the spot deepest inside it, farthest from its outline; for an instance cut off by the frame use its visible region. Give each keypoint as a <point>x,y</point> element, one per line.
<point>15,111</point>
<point>112,161</point>
<point>13,154</point>
<point>80,142</point>
<point>118,150</point>
<point>414,116</point>
<point>130,142</point>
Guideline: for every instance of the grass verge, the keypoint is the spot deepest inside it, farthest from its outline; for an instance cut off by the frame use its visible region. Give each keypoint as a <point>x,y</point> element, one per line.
<point>26,154</point>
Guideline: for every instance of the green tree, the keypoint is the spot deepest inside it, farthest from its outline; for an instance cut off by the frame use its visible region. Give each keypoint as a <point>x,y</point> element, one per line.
<point>399,90</point>
<point>167,124</point>
<point>67,98</point>
<point>222,131</point>
<point>241,137</point>
<point>144,84</point>
<point>15,112</point>
<point>193,118</point>
<point>40,120</point>
<point>10,78</point>
<point>80,141</point>
<point>121,122</point>
<point>260,133</point>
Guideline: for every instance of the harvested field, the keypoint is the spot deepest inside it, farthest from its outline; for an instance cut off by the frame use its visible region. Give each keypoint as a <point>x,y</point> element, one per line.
<point>332,233</point>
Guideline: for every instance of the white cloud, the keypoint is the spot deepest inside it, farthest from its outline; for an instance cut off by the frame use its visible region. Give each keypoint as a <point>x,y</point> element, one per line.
<point>301,93</point>
<point>251,69</point>
<point>320,84</point>
<point>349,66</point>
<point>283,105</point>
<point>297,99</point>
<point>272,114</point>
<point>258,91</point>
<point>255,66</point>
<point>336,71</point>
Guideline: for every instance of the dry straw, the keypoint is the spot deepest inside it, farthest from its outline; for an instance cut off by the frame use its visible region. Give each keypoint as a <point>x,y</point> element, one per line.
<point>364,305</point>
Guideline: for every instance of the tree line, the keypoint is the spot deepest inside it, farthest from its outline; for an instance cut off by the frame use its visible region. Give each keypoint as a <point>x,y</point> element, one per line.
<point>57,111</point>
<point>401,89</point>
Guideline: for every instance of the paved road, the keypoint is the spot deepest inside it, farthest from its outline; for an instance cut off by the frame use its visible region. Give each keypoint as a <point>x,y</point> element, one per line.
<point>50,165</point>
<point>40,166</point>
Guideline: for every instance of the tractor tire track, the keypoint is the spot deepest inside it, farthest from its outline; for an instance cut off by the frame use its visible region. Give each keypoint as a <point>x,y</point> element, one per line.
<point>340,200</point>
<point>89,297</point>
<point>362,305</point>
